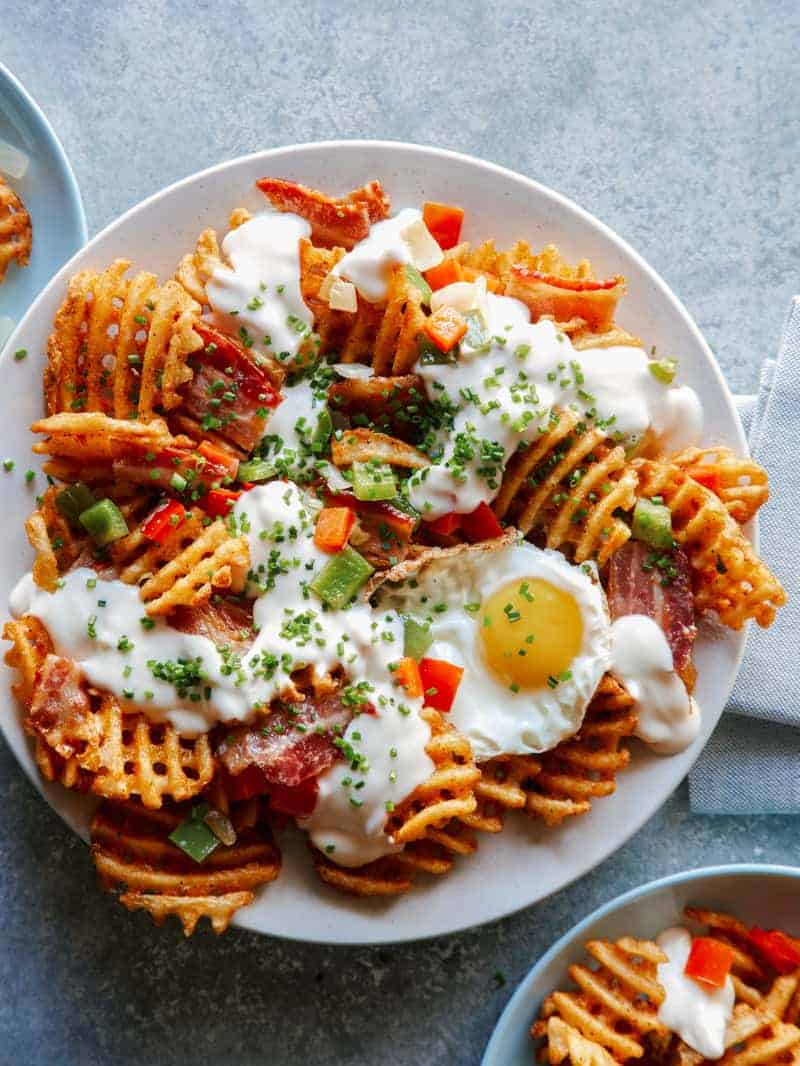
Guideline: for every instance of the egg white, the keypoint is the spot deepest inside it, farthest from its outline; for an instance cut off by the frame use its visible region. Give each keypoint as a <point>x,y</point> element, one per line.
<point>495,719</point>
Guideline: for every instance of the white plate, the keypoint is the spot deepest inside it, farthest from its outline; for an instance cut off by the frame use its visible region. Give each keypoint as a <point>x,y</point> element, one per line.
<point>526,862</point>
<point>759,895</point>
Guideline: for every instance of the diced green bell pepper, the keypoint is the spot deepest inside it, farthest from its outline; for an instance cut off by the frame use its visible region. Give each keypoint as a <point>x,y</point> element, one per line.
<point>417,280</point>
<point>193,836</point>
<point>255,470</point>
<point>341,578</point>
<point>322,434</point>
<point>104,522</point>
<point>652,524</point>
<point>417,638</point>
<point>74,500</point>
<point>663,370</point>
<point>373,481</point>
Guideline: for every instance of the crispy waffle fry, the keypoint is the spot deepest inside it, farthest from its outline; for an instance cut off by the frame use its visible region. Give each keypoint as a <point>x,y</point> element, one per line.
<point>746,969</point>
<point>16,230</point>
<point>565,487</point>
<point>195,269</point>
<point>96,437</point>
<point>486,259</point>
<point>55,543</point>
<point>616,1002</point>
<point>214,561</point>
<point>566,1043</point>
<point>114,755</point>
<point>397,342</point>
<point>120,345</point>
<point>728,576</point>
<point>741,484</point>
<point>362,445</point>
<point>130,846</point>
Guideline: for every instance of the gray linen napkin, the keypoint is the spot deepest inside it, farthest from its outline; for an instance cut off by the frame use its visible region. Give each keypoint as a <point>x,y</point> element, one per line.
<point>751,765</point>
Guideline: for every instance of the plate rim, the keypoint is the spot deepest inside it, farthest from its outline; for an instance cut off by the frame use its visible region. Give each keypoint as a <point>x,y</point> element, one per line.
<point>40,120</point>
<point>390,934</point>
<point>613,906</point>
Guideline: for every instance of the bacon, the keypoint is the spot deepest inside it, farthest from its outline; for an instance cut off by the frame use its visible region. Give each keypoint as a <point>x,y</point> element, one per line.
<point>222,622</point>
<point>594,302</point>
<point>237,420</point>
<point>393,404</point>
<point>285,754</point>
<point>383,532</point>
<point>60,708</point>
<point>341,222</point>
<point>637,586</point>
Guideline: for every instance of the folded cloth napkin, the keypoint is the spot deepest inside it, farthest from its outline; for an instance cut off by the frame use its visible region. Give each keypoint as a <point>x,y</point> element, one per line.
<point>751,765</point>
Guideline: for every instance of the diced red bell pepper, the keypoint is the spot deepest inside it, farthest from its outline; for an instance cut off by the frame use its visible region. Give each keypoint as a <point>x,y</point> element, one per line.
<point>445,525</point>
<point>401,523</point>
<point>408,675</point>
<point>333,528</point>
<point>444,222</point>
<point>221,460</point>
<point>250,782</point>
<point>298,801</point>
<point>219,502</point>
<point>227,355</point>
<point>709,961</point>
<point>158,526</point>
<point>448,272</point>
<point>481,524</point>
<point>445,328</point>
<point>778,949</point>
<point>440,681</point>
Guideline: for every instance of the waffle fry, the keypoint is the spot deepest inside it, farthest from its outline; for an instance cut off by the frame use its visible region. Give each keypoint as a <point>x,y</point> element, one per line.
<point>741,484</point>
<point>565,487</point>
<point>616,1002</point>
<point>53,541</point>
<point>363,445</point>
<point>196,268</point>
<point>120,345</point>
<point>16,230</point>
<point>130,847</point>
<point>126,755</point>
<point>566,1043</point>
<point>214,561</point>
<point>96,437</point>
<point>486,259</point>
<point>729,578</point>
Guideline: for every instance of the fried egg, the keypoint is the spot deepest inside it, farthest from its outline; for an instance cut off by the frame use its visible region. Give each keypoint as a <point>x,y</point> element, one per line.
<point>531,632</point>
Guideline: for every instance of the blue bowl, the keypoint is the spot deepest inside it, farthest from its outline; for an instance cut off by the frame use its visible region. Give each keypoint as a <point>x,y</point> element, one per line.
<point>50,194</point>
<point>760,895</point>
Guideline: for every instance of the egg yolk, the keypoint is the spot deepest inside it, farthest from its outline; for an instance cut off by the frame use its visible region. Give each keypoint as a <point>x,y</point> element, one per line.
<point>531,631</point>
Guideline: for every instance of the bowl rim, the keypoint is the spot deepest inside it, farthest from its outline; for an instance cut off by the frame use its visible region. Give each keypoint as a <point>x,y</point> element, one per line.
<point>666,297</point>
<point>618,903</point>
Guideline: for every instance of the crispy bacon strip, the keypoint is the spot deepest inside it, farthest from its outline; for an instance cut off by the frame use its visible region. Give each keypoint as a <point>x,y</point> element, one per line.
<point>340,222</point>
<point>566,299</point>
<point>637,585</point>
<point>222,622</point>
<point>294,743</point>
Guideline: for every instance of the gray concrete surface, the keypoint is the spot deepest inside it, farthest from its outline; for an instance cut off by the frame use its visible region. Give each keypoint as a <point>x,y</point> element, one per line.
<point>678,124</point>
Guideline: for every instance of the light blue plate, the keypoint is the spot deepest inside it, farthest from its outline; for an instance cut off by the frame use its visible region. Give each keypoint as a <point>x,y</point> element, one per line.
<point>49,191</point>
<point>761,895</point>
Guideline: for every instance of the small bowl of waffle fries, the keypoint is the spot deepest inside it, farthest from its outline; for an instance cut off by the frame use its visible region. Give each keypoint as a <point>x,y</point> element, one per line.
<point>699,967</point>
<point>382,544</point>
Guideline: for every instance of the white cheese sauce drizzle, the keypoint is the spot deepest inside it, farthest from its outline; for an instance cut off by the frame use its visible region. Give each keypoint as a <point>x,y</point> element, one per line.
<point>369,264</point>
<point>500,395</point>
<point>258,296</point>
<point>668,719</point>
<point>97,623</point>
<point>698,1015</point>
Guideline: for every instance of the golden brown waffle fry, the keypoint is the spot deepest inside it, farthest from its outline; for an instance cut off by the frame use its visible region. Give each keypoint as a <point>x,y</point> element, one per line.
<point>616,1002</point>
<point>214,561</point>
<point>126,755</point>
<point>362,445</point>
<point>584,338</point>
<point>565,487</point>
<point>397,342</point>
<point>195,269</point>
<point>130,846</point>
<point>53,540</point>
<point>120,345</point>
<point>486,259</point>
<point>747,968</point>
<point>392,875</point>
<point>449,791</point>
<point>16,230</point>
<point>139,558</point>
<point>561,783</point>
<point>741,484</point>
<point>728,577</point>
<point>95,437</point>
<point>566,1044</point>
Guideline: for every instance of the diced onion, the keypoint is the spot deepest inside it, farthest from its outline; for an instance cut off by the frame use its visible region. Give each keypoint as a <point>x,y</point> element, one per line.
<point>342,296</point>
<point>7,328</point>
<point>12,162</point>
<point>425,252</point>
<point>221,827</point>
<point>353,370</point>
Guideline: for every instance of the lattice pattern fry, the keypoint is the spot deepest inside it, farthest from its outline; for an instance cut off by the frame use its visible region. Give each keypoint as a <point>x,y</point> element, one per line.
<point>728,576</point>
<point>565,487</point>
<point>16,230</point>
<point>741,484</point>
<point>130,846</point>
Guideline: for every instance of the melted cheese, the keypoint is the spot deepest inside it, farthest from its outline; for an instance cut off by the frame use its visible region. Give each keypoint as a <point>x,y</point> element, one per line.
<point>698,1015</point>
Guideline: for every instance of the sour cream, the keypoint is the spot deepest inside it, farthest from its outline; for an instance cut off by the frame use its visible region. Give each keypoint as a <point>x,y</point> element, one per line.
<point>501,394</point>
<point>698,1015</point>
<point>668,719</point>
<point>258,297</point>
<point>98,624</point>
<point>369,264</point>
